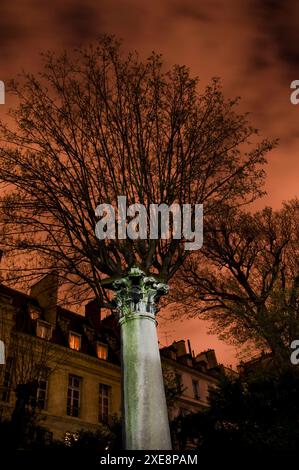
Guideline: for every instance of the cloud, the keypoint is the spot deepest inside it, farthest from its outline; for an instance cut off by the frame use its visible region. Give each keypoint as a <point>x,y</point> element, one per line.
<point>77,21</point>
<point>252,45</point>
<point>189,9</point>
<point>278,20</point>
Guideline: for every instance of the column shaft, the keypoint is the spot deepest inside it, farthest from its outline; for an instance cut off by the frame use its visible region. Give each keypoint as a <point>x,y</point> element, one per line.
<point>144,404</point>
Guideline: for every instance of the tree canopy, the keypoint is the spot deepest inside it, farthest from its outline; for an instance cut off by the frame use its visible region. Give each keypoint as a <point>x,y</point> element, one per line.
<point>100,123</point>
<point>246,279</point>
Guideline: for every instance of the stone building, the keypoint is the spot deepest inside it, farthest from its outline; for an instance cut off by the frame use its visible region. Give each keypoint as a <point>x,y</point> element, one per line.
<point>195,376</point>
<point>74,360</point>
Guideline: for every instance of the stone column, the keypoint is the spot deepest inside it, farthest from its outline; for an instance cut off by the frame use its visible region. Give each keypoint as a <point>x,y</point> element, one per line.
<point>145,414</point>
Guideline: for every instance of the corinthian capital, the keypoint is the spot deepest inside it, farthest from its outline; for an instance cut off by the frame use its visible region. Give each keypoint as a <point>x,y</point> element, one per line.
<point>138,293</point>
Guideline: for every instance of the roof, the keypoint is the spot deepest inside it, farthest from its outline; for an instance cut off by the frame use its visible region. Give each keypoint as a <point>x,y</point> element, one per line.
<point>66,321</point>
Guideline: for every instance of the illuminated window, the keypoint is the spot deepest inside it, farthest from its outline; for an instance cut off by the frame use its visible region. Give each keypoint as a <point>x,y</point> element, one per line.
<point>75,341</point>
<point>195,386</point>
<point>104,402</point>
<point>102,351</point>
<point>43,330</point>
<point>73,395</point>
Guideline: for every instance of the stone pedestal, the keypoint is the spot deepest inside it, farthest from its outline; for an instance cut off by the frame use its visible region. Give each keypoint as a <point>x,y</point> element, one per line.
<point>145,414</point>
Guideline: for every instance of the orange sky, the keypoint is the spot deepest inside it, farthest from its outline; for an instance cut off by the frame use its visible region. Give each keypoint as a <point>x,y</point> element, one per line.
<point>252,45</point>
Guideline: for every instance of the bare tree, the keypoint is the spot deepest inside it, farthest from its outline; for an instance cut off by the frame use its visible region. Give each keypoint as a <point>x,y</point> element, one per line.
<point>33,359</point>
<point>246,279</point>
<point>102,124</point>
<point>172,389</point>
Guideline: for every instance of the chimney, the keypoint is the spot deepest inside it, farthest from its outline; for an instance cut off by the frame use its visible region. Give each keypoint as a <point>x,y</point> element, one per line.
<point>241,367</point>
<point>180,348</point>
<point>45,292</point>
<point>93,313</point>
<point>211,357</point>
<point>189,347</point>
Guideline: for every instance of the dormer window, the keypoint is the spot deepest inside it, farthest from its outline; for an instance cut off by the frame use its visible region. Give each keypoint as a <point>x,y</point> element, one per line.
<point>43,329</point>
<point>74,341</point>
<point>102,350</point>
<point>33,312</point>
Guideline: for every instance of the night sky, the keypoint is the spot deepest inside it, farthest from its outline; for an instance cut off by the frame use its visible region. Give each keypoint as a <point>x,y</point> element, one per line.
<point>253,45</point>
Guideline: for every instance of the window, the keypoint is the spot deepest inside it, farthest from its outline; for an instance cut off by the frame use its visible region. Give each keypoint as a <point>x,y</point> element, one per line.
<point>43,330</point>
<point>41,394</point>
<point>7,379</point>
<point>73,395</point>
<point>104,403</point>
<point>102,351</point>
<point>211,390</point>
<point>43,436</point>
<point>2,353</point>
<point>195,386</point>
<point>39,397</point>
<point>34,313</point>
<point>75,341</point>
<point>178,379</point>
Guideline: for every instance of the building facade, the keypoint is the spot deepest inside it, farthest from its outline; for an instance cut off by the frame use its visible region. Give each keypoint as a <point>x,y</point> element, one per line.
<point>72,359</point>
<point>72,363</point>
<point>194,377</point>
